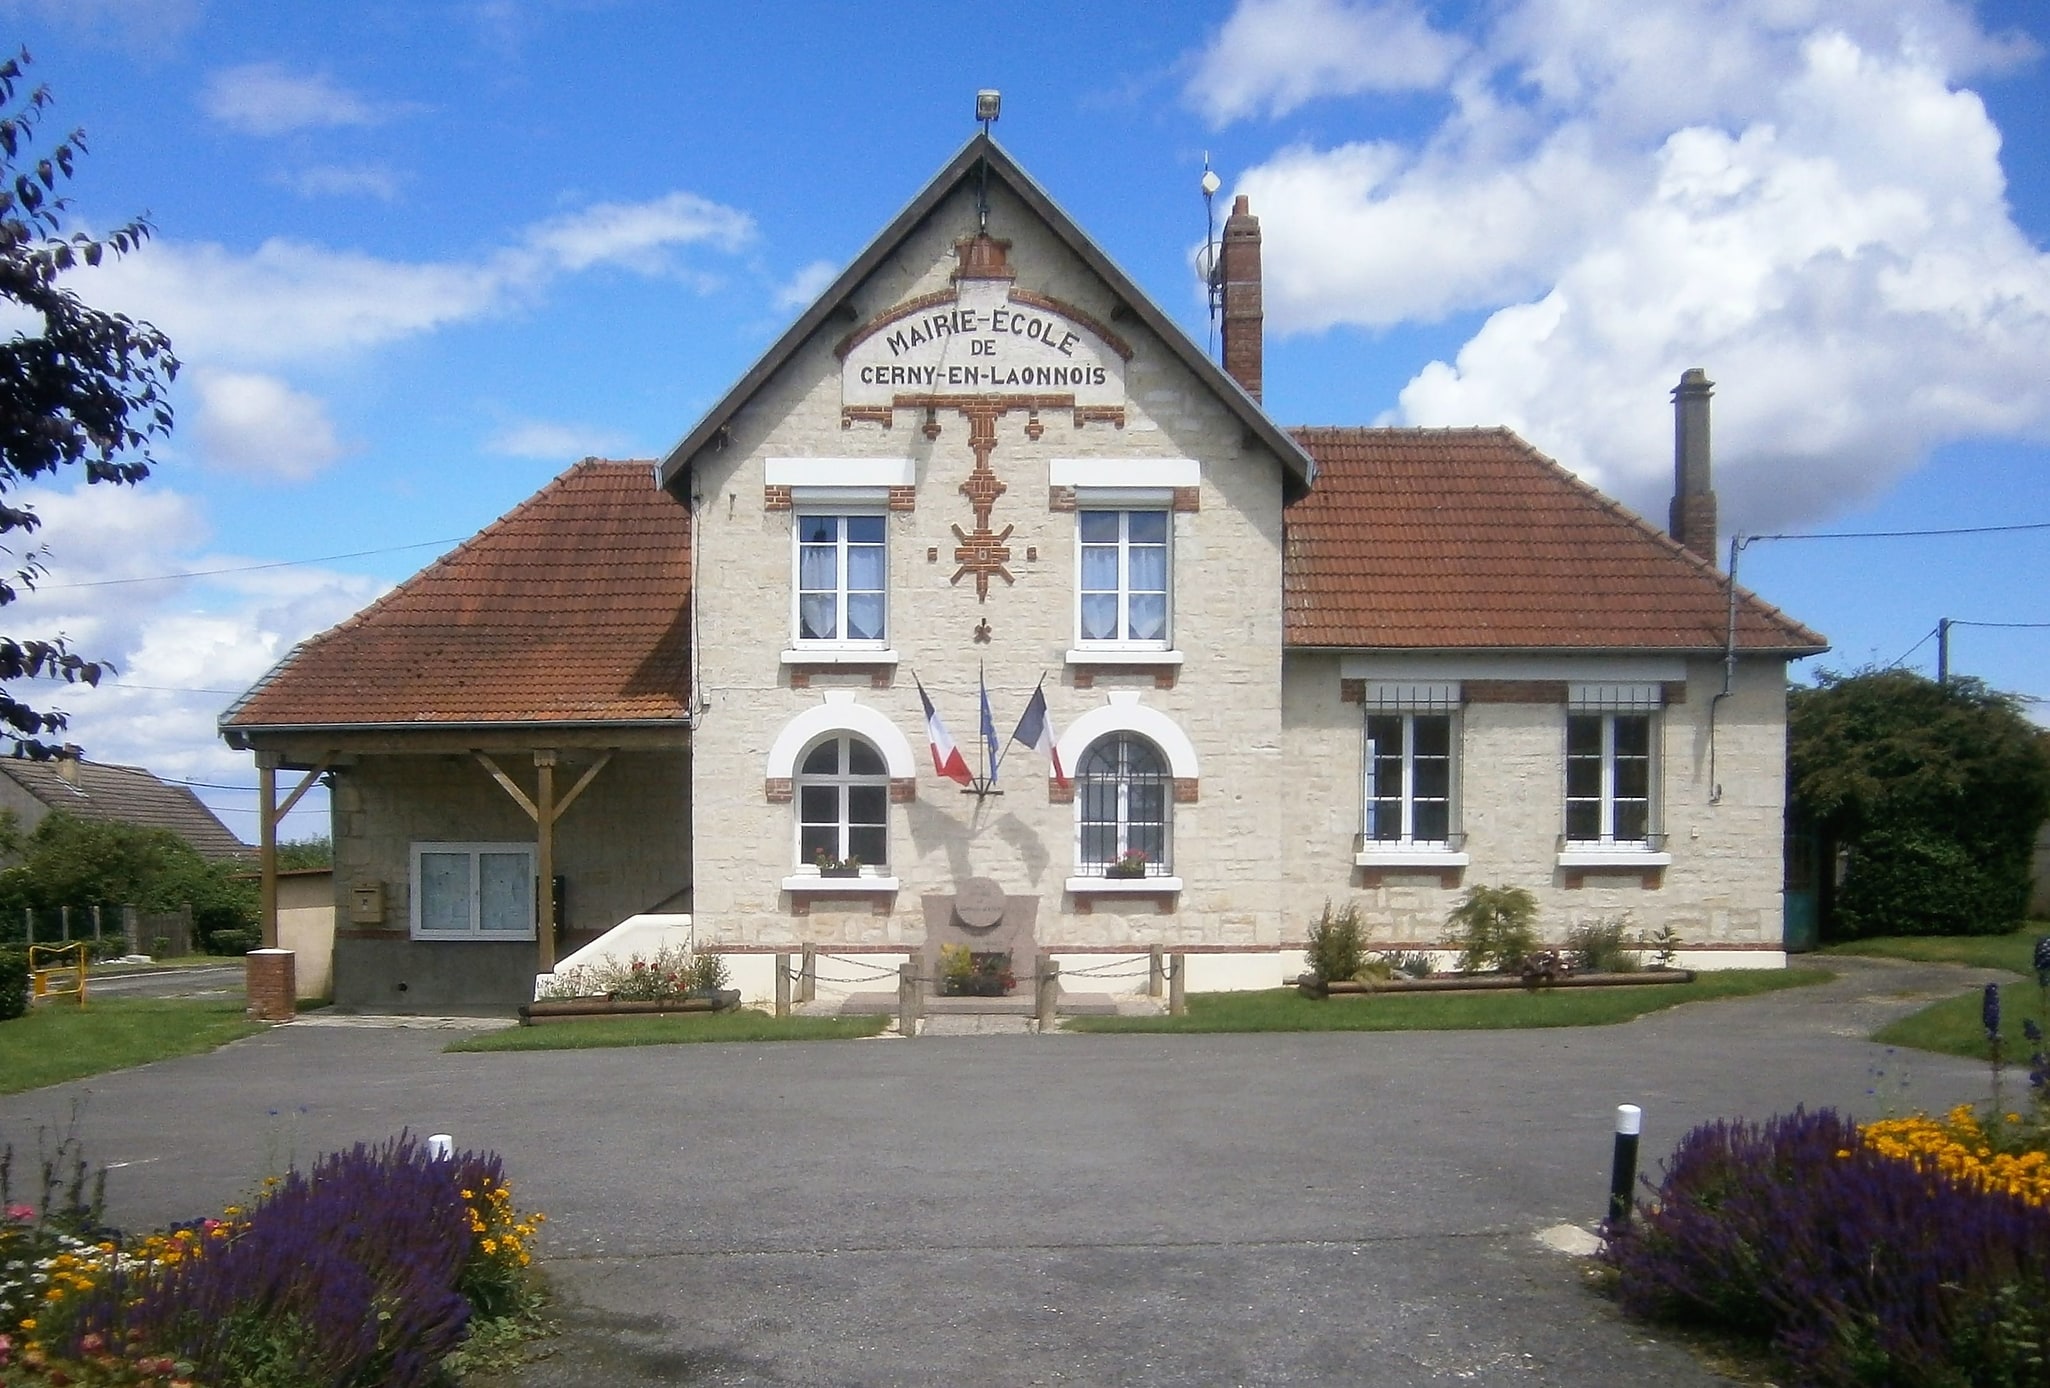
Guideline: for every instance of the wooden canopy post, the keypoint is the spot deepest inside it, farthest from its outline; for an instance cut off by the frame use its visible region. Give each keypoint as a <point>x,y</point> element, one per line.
<point>268,816</point>
<point>544,856</point>
<point>544,809</point>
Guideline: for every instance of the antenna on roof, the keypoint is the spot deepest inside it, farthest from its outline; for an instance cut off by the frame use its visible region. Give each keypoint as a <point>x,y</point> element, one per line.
<point>989,102</point>
<point>1207,259</point>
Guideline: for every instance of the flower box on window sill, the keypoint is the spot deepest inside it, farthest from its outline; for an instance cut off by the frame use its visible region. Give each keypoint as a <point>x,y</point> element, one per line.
<point>820,882</point>
<point>1129,886</point>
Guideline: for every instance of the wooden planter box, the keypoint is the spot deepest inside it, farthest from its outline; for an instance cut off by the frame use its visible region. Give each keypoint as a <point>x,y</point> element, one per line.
<point>571,1009</point>
<point>1308,986</point>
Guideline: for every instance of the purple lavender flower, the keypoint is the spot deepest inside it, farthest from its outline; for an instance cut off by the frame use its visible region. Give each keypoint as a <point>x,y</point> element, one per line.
<point>1989,1012</point>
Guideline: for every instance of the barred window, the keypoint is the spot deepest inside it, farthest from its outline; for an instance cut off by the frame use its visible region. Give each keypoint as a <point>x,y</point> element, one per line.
<point>1123,798</point>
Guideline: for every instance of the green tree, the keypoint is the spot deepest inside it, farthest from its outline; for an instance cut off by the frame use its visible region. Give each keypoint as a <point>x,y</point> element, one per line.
<point>82,863</point>
<point>1934,794</point>
<point>79,386</point>
<point>314,852</point>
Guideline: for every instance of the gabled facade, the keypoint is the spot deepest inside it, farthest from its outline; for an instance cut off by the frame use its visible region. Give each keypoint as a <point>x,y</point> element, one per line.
<point>1279,668</point>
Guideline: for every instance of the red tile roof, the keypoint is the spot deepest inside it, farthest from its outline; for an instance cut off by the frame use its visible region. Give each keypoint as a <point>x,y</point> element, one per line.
<point>116,794</point>
<point>1432,539</point>
<point>573,607</point>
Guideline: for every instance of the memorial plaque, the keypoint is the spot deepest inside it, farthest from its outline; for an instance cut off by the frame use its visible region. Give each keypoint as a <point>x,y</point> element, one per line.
<point>979,902</point>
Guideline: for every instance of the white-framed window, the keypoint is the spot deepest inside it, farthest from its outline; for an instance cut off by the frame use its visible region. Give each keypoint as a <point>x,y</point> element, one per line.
<point>1410,764</point>
<point>841,592</point>
<point>1124,573</point>
<point>842,793</point>
<point>1124,797</point>
<point>1611,773</point>
<point>473,891</point>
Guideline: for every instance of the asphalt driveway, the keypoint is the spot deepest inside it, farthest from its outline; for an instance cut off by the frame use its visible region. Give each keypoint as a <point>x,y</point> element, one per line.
<point>1280,1209</point>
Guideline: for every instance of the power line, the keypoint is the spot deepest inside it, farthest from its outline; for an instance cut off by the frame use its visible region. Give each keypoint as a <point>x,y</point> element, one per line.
<point>248,568</point>
<point>1961,622</point>
<point>1742,540</point>
<point>1895,663</point>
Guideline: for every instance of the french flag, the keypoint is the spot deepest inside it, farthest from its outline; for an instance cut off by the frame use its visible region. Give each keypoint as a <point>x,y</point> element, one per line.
<point>1035,730</point>
<point>946,757</point>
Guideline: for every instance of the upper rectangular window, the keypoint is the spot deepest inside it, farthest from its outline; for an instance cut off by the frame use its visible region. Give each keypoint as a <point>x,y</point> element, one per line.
<point>1609,778</point>
<point>1124,568</point>
<point>842,578</point>
<point>473,891</point>
<point>1409,778</point>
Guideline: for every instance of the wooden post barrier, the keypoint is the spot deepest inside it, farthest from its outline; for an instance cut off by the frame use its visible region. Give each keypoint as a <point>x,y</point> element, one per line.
<point>1049,992</point>
<point>1156,962</point>
<point>808,974</point>
<point>782,985</point>
<point>907,999</point>
<point>1178,986</point>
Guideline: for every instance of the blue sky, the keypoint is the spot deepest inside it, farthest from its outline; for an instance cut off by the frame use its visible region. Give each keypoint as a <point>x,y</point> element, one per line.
<point>418,257</point>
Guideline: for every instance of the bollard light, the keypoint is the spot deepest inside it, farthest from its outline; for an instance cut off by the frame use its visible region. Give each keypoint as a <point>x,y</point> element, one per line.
<point>1623,1175</point>
<point>441,1147</point>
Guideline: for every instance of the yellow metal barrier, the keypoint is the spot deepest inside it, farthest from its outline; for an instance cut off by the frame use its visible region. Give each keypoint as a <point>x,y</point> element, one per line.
<point>65,959</point>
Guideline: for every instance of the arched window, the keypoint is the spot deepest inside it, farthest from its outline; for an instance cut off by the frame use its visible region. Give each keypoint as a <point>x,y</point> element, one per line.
<point>843,804</point>
<point>1122,797</point>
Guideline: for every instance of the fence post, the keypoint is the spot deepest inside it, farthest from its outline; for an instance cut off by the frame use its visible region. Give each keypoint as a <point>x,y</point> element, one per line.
<point>808,974</point>
<point>131,927</point>
<point>1156,963</point>
<point>1049,991</point>
<point>64,924</point>
<point>28,923</point>
<point>907,999</point>
<point>96,923</point>
<point>782,985</point>
<point>1178,986</point>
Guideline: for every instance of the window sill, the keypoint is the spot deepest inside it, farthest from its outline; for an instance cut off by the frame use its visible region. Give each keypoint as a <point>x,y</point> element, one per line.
<point>466,937</point>
<point>1419,856</point>
<point>840,655</point>
<point>814,883</point>
<point>1123,655</point>
<point>1613,856</point>
<point>1122,886</point>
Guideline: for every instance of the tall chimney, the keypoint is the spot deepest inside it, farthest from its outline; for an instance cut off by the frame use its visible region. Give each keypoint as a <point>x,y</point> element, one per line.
<point>1238,269</point>
<point>67,763</point>
<point>1693,521</point>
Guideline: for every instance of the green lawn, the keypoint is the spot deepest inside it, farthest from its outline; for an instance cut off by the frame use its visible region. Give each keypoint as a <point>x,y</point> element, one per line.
<point>58,1041</point>
<point>1284,1009</point>
<point>1952,1027</point>
<point>2011,951</point>
<point>744,1025</point>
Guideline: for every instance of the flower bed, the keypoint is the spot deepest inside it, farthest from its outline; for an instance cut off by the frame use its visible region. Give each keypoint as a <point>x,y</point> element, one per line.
<point>371,1269</point>
<point>1909,1252</point>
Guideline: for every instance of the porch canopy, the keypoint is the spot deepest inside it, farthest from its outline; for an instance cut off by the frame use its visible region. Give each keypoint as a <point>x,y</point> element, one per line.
<point>560,633</point>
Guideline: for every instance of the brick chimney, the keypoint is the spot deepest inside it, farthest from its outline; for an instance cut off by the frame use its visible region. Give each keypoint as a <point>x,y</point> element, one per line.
<point>67,763</point>
<point>1693,520</point>
<point>1238,270</point>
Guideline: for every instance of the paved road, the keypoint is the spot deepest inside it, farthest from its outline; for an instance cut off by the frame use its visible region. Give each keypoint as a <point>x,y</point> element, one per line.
<point>199,981</point>
<point>1306,1209</point>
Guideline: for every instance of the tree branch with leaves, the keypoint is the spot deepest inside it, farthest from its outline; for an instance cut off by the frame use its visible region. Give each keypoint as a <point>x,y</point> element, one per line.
<point>80,388</point>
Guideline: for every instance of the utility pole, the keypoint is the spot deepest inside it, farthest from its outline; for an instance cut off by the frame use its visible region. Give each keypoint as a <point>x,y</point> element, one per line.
<point>1943,652</point>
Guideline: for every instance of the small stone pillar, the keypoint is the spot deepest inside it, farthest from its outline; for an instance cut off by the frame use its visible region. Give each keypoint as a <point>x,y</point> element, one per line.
<point>271,985</point>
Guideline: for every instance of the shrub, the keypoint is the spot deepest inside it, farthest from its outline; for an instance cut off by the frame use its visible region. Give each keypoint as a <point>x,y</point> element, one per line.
<point>1912,881</point>
<point>14,983</point>
<point>1600,948</point>
<point>1856,1266</point>
<point>1409,963</point>
<point>670,972</point>
<point>1494,927</point>
<point>708,972</point>
<point>234,941</point>
<point>1336,953</point>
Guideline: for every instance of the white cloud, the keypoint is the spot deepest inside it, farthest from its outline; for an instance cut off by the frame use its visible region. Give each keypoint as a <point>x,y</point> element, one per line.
<point>1277,55</point>
<point>268,99</point>
<point>796,293</point>
<point>142,26</point>
<point>638,234</point>
<point>183,648</point>
<point>537,438</point>
<point>343,181</point>
<point>260,427</point>
<point>1797,196</point>
<point>292,301</point>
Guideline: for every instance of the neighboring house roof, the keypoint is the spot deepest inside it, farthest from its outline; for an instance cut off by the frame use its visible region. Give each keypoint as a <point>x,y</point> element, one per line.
<point>1438,539</point>
<point>125,795</point>
<point>574,607</point>
<point>979,153</point>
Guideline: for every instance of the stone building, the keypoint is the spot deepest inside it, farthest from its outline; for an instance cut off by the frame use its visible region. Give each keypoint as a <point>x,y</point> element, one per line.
<point>1279,667</point>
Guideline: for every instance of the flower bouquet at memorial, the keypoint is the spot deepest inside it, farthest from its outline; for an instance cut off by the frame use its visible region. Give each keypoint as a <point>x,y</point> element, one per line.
<point>966,973</point>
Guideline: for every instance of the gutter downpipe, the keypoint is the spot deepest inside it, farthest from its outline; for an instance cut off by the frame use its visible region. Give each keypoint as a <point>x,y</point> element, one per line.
<point>1715,787</point>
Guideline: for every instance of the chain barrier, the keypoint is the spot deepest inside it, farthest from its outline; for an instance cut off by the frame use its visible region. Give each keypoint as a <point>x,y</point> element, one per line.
<point>1101,970</point>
